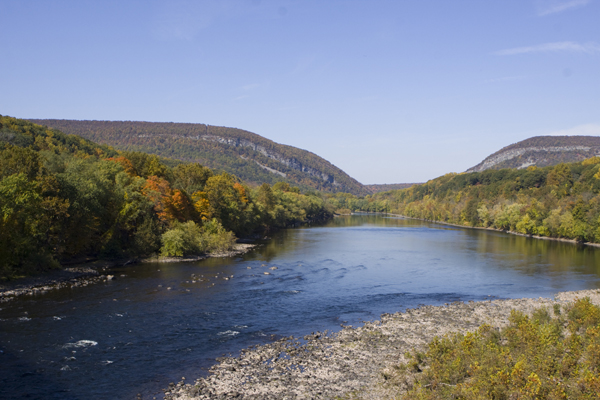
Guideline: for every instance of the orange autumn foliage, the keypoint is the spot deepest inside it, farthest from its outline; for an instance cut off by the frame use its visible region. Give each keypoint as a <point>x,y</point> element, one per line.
<point>125,163</point>
<point>242,192</point>
<point>170,205</point>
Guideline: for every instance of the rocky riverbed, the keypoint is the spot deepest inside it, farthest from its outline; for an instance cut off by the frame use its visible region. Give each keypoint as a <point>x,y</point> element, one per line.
<point>355,362</point>
<point>90,273</point>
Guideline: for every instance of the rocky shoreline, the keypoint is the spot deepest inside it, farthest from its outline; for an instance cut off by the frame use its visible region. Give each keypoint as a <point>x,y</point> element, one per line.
<point>355,363</point>
<point>86,274</point>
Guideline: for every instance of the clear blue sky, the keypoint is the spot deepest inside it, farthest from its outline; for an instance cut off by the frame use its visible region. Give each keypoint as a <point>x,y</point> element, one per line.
<point>389,91</point>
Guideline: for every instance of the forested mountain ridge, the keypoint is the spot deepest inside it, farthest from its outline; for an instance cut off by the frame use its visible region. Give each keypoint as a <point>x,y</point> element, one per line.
<point>65,199</point>
<point>560,201</point>
<point>385,187</point>
<point>541,151</point>
<point>247,155</point>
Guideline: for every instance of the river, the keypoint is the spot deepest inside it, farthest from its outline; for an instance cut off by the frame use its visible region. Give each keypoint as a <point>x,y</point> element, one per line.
<point>158,322</point>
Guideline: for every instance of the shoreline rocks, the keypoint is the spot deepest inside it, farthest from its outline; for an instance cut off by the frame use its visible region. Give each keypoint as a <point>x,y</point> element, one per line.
<point>238,249</point>
<point>79,276</point>
<point>90,273</point>
<point>354,362</point>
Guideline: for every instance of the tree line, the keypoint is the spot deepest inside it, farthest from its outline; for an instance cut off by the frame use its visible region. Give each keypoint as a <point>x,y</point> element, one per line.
<point>66,199</point>
<point>183,141</point>
<point>561,201</point>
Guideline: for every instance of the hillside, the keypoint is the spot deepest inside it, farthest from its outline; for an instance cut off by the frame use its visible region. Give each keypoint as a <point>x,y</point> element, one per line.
<point>65,199</point>
<point>560,201</point>
<point>384,187</point>
<point>541,151</point>
<point>247,155</point>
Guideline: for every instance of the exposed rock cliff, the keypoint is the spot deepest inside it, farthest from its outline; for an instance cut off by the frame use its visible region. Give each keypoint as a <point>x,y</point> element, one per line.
<point>247,155</point>
<point>292,163</point>
<point>541,151</point>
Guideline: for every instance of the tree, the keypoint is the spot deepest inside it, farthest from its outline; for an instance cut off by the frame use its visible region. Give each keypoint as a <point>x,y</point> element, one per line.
<point>170,205</point>
<point>191,177</point>
<point>22,246</point>
<point>225,202</point>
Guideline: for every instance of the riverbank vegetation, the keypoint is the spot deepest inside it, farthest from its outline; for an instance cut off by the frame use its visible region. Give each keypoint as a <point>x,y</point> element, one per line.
<point>552,355</point>
<point>66,199</point>
<point>561,201</point>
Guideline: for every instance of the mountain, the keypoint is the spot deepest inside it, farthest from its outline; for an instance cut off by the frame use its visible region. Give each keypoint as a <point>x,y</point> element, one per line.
<point>247,155</point>
<point>541,151</point>
<point>65,199</point>
<point>385,187</point>
<point>560,201</point>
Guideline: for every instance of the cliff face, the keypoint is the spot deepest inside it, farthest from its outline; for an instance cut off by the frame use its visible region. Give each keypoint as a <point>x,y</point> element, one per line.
<point>288,162</point>
<point>541,151</point>
<point>247,155</point>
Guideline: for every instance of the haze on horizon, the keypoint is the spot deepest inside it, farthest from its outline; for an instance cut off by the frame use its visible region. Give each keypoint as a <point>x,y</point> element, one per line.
<point>389,91</point>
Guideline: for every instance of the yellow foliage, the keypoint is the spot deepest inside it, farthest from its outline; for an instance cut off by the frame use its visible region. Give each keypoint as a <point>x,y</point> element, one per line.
<point>202,205</point>
<point>591,161</point>
<point>532,358</point>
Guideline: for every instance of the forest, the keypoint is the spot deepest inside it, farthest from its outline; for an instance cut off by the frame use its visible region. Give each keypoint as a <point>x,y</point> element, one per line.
<point>561,201</point>
<point>65,199</point>
<point>247,155</point>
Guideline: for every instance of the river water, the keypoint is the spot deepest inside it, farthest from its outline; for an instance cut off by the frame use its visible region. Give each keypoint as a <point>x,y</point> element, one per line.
<point>154,324</point>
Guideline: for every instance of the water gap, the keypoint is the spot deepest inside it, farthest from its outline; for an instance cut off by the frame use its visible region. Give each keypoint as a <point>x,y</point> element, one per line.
<point>157,322</point>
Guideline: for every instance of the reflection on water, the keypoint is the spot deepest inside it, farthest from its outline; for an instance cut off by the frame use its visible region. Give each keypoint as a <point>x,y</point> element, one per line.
<point>529,255</point>
<point>158,322</point>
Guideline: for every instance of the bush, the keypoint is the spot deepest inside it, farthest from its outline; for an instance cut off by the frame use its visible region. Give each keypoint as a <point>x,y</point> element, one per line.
<point>216,238</point>
<point>184,239</point>
<point>532,358</point>
<point>188,238</point>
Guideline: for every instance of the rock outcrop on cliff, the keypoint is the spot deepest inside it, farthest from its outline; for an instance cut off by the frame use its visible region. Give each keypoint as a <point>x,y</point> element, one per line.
<point>247,155</point>
<point>541,151</point>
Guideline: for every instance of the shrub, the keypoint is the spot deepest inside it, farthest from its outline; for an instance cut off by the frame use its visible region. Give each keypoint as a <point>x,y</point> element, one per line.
<point>216,238</point>
<point>532,358</point>
<point>184,239</point>
<point>188,238</point>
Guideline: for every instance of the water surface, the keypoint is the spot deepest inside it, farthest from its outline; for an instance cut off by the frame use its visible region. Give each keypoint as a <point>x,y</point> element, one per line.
<point>154,325</point>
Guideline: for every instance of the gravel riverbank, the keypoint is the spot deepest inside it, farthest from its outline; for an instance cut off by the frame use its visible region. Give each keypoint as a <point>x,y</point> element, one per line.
<point>90,273</point>
<point>352,363</point>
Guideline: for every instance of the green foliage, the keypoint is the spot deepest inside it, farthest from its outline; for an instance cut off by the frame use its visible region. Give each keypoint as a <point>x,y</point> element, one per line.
<point>387,187</point>
<point>63,198</point>
<point>216,238</point>
<point>17,160</point>
<point>190,239</point>
<point>191,177</point>
<point>249,156</point>
<point>532,358</point>
<point>21,225</point>
<point>226,202</point>
<point>560,201</point>
<point>184,239</point>
<point>25,134</point>
<point>146,165</point>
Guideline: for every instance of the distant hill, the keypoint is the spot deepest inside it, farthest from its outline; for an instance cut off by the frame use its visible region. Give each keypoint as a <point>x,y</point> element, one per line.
<point>388,186</point>
<point>247,155</point>
<point>541,151</point>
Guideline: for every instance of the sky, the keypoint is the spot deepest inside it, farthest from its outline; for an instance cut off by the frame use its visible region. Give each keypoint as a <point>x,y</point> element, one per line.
<point>389,91</point>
